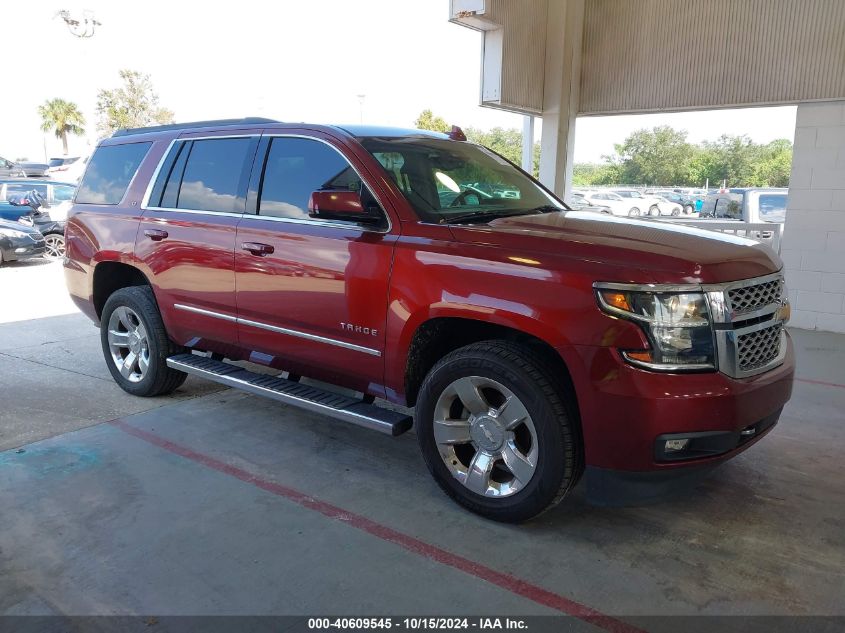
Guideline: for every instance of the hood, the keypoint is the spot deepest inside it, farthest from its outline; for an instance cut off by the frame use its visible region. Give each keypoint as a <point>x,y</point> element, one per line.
<point>663,252</point>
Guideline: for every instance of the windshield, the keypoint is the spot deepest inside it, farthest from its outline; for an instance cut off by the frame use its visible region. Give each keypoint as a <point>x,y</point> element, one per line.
<point>444,179</point>
<point>773,208</point>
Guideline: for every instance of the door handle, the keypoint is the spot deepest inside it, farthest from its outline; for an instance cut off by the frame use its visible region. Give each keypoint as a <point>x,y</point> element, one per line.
<point>257,248</point>
<point>156,235</point>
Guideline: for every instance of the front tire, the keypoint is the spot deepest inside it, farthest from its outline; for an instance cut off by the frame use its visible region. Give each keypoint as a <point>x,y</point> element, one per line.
<point>634,212</point>
<point>654,210</point>
<point>135,343</point>
<point>494,430</point>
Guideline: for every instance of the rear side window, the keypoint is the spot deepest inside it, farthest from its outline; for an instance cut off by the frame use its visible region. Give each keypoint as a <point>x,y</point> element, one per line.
<point>109,173</point>
<point>213,171</point>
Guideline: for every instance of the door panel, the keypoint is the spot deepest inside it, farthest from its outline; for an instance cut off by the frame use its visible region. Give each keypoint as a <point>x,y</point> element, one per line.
<point>191,267</point>
<point>315,300</point>
<point>187,237</point>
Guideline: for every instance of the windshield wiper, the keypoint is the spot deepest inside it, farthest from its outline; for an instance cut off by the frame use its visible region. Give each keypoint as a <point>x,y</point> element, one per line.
<point>479,215</point>
<point>544,208</point>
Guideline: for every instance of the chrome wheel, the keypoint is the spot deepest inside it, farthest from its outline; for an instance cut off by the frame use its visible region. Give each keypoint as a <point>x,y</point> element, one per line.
<point>485,436</point>
<point>129,345</point>
<point>55,246</point>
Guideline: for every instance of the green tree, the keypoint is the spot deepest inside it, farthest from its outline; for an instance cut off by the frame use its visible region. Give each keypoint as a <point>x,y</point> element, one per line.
<point>63,118</point>
<point>427,121</point>
<point>504,141</point>
<point>653,157</point>
<point>587,174</point>
<point>133,104</point>
<point>773,164</point>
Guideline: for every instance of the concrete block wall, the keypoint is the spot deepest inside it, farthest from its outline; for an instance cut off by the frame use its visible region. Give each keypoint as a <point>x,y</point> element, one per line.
<point>813,248</point>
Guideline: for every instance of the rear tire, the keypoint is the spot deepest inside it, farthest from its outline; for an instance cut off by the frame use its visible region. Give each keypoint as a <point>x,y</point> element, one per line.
<point>689,209</point>
<point>634,212</point>
<point>495,432</point>
<point>654,210</point>
<point>135,343</point>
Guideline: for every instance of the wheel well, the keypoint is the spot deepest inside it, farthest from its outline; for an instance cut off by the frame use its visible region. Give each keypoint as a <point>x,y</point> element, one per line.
<point>437,337</point>
<point>111,276</point>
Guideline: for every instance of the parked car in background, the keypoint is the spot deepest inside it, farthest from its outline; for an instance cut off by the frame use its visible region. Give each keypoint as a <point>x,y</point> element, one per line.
<point>67,169</point>
<point>18,242</point>
<point>748,205</point>
<point>34,170</point>
<point>655,205</point>
<point>686,202</point>
<point>11,169</point>
<point>579,203</point>
<point>613,201</point>
<point>50,220</point>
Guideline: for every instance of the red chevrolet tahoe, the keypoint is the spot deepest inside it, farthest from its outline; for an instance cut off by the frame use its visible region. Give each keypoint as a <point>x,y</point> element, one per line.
<point>534,343</point>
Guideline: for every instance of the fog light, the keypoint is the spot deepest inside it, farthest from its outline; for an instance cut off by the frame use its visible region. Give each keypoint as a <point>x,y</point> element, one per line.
<point>20,250</point>
<point>673,446</point>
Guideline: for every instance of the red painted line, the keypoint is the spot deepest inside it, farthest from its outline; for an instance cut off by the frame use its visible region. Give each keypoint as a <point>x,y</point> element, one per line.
<point>820,382</point>
<point>421,548</point>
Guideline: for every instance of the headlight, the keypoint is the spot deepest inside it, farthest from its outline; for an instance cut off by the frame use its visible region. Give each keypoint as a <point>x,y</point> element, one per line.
<point>12,233</point>
<point>677,325</point>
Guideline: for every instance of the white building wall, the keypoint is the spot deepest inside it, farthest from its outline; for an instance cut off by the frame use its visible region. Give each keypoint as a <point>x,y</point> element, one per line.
<point>813,247</point>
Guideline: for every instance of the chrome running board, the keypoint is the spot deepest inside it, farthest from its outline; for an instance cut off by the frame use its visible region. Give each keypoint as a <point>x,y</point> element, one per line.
<point>294,393</point>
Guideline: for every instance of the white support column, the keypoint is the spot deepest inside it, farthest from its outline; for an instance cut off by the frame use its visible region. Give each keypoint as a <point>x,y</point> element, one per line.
<point>528,143</point>
<point>561,92</point>
<point>813,249</point>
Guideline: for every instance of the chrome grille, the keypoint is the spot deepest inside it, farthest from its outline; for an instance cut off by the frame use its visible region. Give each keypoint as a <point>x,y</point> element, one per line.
<point>757,349</point>
<point>750,298</point>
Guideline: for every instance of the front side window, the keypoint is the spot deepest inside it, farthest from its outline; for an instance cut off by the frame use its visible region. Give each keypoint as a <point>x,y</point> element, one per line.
<point>213,170</point>
<point>297,167</point>
<point>773,208</point>
<point>110,172</point>
<point>450,181</point>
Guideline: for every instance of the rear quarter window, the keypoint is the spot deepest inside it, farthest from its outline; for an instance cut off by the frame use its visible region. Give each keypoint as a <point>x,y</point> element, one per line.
<point>109,173</point>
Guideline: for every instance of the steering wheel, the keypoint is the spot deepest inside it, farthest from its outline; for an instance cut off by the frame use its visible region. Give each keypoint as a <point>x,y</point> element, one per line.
<point>461,197</point>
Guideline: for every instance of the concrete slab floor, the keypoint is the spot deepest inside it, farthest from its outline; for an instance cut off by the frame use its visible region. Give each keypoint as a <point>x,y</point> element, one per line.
<point>223,503</point>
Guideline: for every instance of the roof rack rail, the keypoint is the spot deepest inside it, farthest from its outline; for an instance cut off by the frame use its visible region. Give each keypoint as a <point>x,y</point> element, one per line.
<point>250,120</point>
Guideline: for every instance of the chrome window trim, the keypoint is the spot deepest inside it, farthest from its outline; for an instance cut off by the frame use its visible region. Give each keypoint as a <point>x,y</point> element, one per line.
<point>217,214</point>
<point>149,191</point>
<point>145,201</point>
<point>280,330</point>
<point>350,226</point>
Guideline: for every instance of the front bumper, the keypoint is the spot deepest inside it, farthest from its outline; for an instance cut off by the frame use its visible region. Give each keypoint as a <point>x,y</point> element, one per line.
<point>610,487</point>
<point>17,249</point>
<point>624,410</point>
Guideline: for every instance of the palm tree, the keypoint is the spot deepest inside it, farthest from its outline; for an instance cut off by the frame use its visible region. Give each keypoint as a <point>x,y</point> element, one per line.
<point>63,117</point>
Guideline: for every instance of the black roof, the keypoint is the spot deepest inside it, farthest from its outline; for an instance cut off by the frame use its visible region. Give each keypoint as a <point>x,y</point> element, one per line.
<point>251,120</point>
